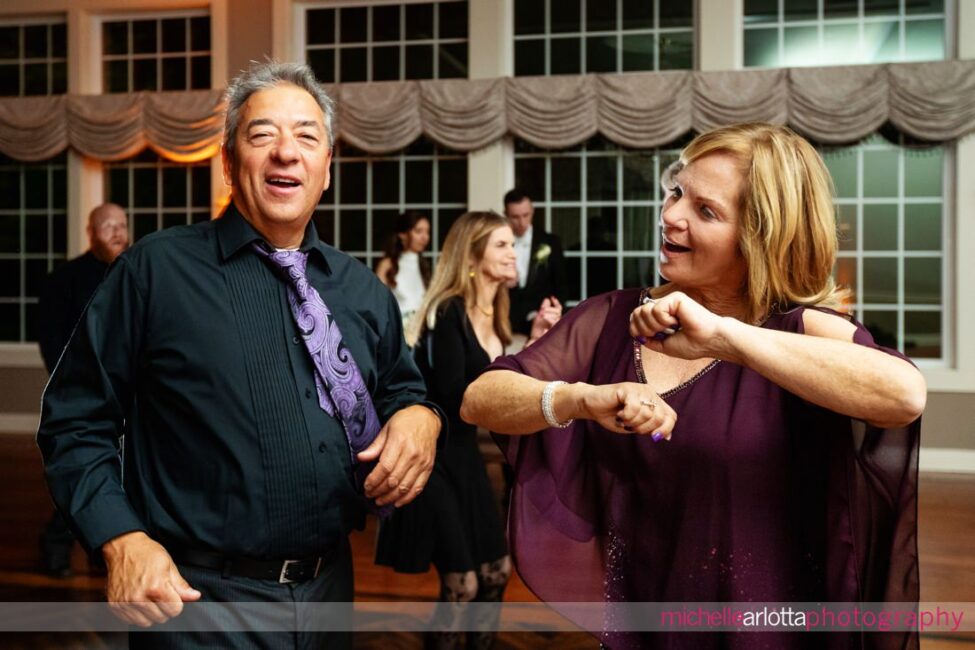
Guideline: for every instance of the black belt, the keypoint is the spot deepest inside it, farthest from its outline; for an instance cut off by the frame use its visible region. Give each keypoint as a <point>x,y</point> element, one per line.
<point>283,571</point>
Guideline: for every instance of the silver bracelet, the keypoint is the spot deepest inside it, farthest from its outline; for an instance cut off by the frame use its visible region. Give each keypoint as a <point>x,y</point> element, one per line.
<point>547,411</point>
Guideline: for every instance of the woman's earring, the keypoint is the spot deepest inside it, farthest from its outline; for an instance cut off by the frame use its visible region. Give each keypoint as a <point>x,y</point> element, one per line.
<point>471,273</point>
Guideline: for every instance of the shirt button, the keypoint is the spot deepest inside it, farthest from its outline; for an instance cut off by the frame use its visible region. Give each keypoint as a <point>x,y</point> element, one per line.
<point>322,447</point>
<point>295,340</point>
<point>308,393</point>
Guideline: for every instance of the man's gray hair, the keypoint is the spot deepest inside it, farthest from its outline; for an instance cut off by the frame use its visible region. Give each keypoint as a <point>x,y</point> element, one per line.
<point>262,76</point>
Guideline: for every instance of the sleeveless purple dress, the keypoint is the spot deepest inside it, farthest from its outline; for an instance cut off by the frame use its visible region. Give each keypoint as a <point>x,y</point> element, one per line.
<point>759,496</point>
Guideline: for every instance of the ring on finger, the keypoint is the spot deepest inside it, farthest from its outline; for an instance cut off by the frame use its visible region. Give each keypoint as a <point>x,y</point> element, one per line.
<point>404,489</point>
<point>649,403</point>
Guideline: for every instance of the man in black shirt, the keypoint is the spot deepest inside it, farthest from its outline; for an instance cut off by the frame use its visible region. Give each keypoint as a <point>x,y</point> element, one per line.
<point>64,296</point>
<point>244,471</point>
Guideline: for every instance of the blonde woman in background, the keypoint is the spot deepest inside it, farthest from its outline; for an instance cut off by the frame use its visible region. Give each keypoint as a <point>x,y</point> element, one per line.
<point>461,327</point>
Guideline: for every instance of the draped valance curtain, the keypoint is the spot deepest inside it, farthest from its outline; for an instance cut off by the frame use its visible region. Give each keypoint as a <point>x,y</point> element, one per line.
<point>933,102</point>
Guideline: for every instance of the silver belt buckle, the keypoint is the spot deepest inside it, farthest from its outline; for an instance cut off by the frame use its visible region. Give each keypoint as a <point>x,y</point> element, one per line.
<point>283,578</point>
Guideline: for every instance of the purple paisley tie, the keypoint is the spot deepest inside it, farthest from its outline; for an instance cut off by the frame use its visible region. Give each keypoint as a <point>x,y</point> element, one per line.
<point>342,391</point>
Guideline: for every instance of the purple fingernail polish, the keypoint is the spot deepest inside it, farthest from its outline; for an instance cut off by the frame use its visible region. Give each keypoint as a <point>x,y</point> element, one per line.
<point>642,340</point>
<point>657,437</point>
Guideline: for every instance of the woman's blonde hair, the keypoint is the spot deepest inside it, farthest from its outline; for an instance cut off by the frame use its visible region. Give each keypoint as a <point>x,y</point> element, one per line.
<point>462,250</point>
<point>788,222</point>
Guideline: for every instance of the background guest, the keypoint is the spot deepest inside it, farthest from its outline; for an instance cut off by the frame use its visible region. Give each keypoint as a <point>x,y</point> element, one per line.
<point>403,268</point>
<point>66,292</point>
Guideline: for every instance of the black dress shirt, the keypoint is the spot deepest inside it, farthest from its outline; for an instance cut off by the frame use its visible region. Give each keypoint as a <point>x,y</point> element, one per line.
<point>189,348</point>
<point>66,292</point>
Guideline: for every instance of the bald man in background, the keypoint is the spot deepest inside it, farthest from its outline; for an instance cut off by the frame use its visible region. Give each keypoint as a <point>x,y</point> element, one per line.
<point>64,296</point>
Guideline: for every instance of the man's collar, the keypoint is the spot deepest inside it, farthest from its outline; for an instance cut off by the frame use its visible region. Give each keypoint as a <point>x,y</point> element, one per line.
<point>234,232</point>
<point>527,235</point>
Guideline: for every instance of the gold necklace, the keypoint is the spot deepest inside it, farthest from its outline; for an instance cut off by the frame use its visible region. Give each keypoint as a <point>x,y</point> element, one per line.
<point>483,311</point>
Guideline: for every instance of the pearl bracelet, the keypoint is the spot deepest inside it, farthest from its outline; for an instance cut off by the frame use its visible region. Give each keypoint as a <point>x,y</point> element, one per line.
<point>547,411</point>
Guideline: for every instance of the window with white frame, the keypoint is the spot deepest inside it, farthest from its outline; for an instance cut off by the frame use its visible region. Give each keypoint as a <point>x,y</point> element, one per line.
<point>891,205</point>
<point>33,239</point>
<point>158,193</point>
<point>603,203</point>
<point>832,32</point>
<point>579,36</point>
<point>169,52</point>
<point>33,195</point>
<point>359,210</point>
<point>387,42</point>
<point>34,58</point>
<point>892,226</point>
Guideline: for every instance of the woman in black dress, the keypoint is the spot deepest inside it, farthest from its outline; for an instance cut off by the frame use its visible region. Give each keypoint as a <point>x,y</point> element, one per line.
<point>461,327</point>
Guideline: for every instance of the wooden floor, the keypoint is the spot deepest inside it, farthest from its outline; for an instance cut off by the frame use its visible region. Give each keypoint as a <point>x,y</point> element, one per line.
<point>946,545</point>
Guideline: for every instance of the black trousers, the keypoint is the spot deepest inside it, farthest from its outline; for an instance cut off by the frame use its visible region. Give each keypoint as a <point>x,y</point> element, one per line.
<point>333,584</point>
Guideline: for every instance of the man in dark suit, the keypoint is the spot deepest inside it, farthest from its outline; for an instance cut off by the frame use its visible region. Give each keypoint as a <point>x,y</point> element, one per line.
<point>66,292</point>
<point>541,264</point>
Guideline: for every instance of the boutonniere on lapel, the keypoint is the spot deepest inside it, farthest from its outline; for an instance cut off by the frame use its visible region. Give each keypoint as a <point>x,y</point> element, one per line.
<point>541,255</point>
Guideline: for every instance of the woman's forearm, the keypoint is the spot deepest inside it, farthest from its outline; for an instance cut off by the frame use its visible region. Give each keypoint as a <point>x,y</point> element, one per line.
<point>842,376</point>
<point>504,401</point>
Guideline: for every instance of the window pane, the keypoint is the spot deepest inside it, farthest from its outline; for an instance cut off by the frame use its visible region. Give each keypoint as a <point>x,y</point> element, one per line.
<point>639,180</point>
<point>529,58</point>
<point>352,182</point>
<point>846,225</point>
<point>880,227</point>
<point>838,40</point>
<point>419,181</point>
<point>385,182</point>
<point>881,7</point>
<point>383,225</point>
<point>453,61</point>
<point>567,225</point>
<point>352,25</point>
<point>116,76</point>
<point>453,19</point>
<point>115,38</point>
<point>35,41</point>
<point>419,21</point>
<point>601,54</point>
<point>842,165</point>
<point>638,14</point>
<point>174,35</point>
<point>144,36</point>
<point>352,230</point>
<point>638,51</point>
<point>144,224</point>
<point>386,23</point>
<point>925,40</point>
<point>675,13</point>
<point>9,42</point>
<point>924,6</point>
<point>320,26</point>
<point>880,280</point>
<point>174,74</point>
<point>922,334</point>
<point>761,11</point>
<point>881,42</point>
<point>145,189</point>
<point>118,185</point>
<point>35,79</point>
<point>200,70</point>
<point>59,78</point>
<point>601,178</point>
<point>144,74</point>
<point>800,9</point>
<point>922,281</point>
<point>9,278</point>
<point>761,47</point>
<point>923,171</point>
<point>676,51</point>
<point>565,179</point>
<point>200,33</point>
<point>846,273</point>
<point>452,181</point>
<point>879,173</point>
<point>600,16</point>
<point>565,56</point>
<point>385,63</point>
<point>9,233</point>
<point>883,326</point>
<point>529,16</point>
<point>639,228</point>
<point>35,233</point>
<point>922,226</point>
<point>840,9</point>
<point>352,64</point>
<point>801,46</point>
<point>566,16</point>
<point>322,62</point>
<point>9,80</point>
<point>638,272</point>
<point>174,187</point>
<point>601,272</point>
<point>419,62</point>
<point>200,178</point>
<point>35,187</point>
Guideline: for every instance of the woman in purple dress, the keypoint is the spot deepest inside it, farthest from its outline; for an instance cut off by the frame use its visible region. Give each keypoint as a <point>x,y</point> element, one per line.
<point>775,449</point>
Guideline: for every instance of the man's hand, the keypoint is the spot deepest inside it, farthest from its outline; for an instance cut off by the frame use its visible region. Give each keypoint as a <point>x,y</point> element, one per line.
<point>144,586</point>
<point>406,448</point>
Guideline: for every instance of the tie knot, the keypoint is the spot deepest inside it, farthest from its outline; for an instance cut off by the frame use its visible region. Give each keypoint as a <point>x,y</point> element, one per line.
<point>289,261</point>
